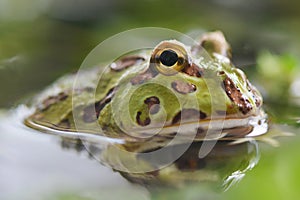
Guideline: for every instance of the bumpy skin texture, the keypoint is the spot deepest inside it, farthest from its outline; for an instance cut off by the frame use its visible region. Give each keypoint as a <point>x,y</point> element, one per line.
<point>138,93</point>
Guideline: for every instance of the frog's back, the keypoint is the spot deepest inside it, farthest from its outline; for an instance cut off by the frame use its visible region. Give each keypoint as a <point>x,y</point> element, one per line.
<point>53,107</point>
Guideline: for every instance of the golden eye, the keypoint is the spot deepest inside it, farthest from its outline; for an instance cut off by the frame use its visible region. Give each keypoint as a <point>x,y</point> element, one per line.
<point>169,58</point>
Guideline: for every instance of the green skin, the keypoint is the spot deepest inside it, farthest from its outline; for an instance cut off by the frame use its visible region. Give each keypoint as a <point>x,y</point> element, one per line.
<point>120,98</point>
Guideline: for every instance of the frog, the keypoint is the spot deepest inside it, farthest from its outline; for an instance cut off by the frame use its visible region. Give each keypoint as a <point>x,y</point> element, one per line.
<point>194,91</point>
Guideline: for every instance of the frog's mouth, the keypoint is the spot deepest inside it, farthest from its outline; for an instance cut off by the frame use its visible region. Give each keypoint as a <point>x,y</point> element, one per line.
<point>228,128</point>
<point>211,129</point>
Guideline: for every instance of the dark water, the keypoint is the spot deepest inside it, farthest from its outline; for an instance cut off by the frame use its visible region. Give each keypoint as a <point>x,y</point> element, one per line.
<point>41,42</point>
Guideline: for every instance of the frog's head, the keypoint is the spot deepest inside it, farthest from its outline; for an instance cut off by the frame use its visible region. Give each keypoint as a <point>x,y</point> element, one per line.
<point>178,85</point>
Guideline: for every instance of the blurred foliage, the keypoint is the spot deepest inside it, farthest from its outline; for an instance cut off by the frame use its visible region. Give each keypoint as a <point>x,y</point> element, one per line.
<point>42,40</point>
<point>276,73</point>
<point>276,76</point>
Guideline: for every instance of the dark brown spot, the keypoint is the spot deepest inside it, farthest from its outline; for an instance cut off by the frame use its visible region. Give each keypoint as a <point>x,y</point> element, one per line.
<point>183,87</point>
<point>65,124</point>
<point>54,99</point>
<point>193,70</point>
<point>153,104</point>
<point>188,114</point>
<point>141,78</point>
<point>221,73</point>
<point>141,122</point>
<point>92,111</point>
<point>236,96</point>
<point>126,62</point>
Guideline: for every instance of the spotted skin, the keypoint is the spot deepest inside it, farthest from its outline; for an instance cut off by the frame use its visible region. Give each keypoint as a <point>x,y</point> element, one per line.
<point>158,89</point>
<point>237,97</point>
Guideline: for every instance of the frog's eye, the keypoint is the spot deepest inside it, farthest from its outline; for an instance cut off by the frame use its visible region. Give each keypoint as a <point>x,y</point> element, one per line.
<point>169,58</point>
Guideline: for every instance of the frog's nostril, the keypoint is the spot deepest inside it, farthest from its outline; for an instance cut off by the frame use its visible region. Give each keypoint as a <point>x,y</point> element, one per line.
<point>168,58</point>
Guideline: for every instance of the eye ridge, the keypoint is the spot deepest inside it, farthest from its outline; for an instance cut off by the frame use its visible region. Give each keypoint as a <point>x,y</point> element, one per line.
<point>168,57</point>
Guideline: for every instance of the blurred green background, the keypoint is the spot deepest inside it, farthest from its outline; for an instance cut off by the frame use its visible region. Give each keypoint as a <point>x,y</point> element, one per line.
<point>40,40</point>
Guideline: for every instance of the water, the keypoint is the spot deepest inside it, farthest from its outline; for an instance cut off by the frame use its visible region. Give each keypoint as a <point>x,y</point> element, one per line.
<point>36,165</point>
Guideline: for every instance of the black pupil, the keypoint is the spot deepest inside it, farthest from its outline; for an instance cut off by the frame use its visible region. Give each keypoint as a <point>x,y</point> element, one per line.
<point>168,58</point>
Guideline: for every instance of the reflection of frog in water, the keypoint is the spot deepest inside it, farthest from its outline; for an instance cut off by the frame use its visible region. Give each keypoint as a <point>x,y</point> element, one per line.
<point>225,164</point>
